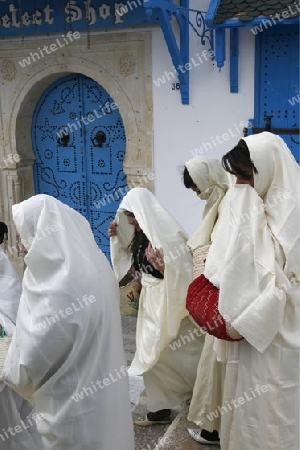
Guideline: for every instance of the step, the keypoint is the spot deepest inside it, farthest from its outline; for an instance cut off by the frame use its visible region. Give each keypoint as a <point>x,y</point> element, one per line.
<point>146,438</point>
<point>177,437</point>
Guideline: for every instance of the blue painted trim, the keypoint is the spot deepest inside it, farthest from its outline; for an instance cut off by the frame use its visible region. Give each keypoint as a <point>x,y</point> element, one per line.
<point>234,60</point>
<point>220,40</point>
<point>165,10</point>
<point>37,17</point>
<point>257,121</point>
<point>236,23</point>
<point>211,12</point>
<point>161,4</point>
<point>179,59</point>
<point>183,21</point>
<point>250,127</point>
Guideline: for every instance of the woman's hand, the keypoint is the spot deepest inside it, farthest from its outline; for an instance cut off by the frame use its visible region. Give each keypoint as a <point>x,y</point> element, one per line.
<point>112,229</point>
<point>154,257</point>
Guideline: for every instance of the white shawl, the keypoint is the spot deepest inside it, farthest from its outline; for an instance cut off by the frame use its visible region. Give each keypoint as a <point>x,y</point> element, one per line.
<point>166,235</point>
<point>213,182</point>
<point>10,293</point>
<point>14,410</point>
<point>277,183</point>
<point>253,285</point>
<point>68,342</point>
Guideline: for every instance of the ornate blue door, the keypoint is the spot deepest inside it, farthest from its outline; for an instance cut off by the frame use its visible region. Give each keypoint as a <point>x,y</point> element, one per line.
<point>277,97</point>
<point>79,143</point>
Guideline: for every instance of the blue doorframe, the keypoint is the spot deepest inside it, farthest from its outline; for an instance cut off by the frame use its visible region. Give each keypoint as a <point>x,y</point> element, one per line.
<point>79,144</point>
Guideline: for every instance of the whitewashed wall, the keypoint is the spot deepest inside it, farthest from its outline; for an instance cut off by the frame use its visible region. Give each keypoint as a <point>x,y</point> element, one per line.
<point>180,129</point>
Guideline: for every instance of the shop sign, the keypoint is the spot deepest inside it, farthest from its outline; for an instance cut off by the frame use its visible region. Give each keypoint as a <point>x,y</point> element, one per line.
<point>19,17</point>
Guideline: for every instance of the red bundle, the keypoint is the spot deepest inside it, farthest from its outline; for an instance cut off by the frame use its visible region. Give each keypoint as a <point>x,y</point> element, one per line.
<point>202,304</point>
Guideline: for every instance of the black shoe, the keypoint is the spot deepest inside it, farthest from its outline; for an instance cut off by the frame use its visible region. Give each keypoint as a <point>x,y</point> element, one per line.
<point>157,416</point>
<point>161,417</point>
<point>204,436</point>
<point>210,435</point>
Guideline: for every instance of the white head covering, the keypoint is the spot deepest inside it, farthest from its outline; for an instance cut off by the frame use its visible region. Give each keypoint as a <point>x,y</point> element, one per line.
<point>213,182</point>
<point>13,408</point>
<point>166,235</point>
<point>68,335</point>
<point>10,293</point>
<point>277,183</point>
<point>255,276</point>
<point>162,230</point>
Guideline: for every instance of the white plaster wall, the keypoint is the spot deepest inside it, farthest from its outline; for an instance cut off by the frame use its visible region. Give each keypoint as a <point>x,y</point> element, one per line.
<point>121,63</point>
<point>180,129</point>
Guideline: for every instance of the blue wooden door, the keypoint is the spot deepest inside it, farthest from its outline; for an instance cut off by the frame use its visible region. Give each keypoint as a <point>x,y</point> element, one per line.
<point>79,143</point>
<point>277,96</point>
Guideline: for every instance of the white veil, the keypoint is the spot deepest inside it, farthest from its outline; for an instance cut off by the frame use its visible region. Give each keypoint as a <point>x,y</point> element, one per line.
<point>68,339</point>
<point>166,235</point>
<point>213,182</point>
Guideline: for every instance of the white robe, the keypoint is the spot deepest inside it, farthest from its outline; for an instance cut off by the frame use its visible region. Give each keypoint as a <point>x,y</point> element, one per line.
<point>169,375</point>
<point>260,408</point>
<point>15,412</point>
<point>213,182</point>
<point>67,349</point>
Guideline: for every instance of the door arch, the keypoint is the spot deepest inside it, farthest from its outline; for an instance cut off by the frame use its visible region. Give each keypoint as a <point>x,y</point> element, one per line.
<point>79,143</point>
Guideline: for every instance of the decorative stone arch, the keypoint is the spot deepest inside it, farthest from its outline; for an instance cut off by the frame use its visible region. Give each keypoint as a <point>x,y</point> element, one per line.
<point>28,97</point>
<point>17,180</point>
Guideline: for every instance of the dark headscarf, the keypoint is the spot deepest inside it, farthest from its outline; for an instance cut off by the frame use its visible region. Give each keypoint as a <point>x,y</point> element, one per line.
<point>3,232</point>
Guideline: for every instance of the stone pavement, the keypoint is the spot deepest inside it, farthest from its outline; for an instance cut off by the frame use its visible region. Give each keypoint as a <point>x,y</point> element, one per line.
<point>157,437</point>
<point>178,438</point>
<point>146,438</point>
<point>128,328</point>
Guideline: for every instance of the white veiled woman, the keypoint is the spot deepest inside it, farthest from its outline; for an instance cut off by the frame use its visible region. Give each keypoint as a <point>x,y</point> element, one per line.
<point>168,369</point>
<point>259,295</point>
<point>211,182</point>
<point>15,412</point>
<point>67,351</point>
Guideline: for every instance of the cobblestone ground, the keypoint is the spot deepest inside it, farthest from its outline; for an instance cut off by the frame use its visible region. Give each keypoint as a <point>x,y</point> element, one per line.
<point>146,438</point>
